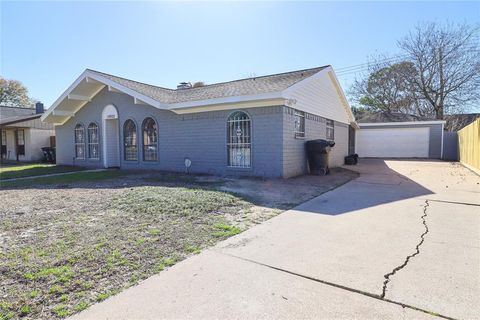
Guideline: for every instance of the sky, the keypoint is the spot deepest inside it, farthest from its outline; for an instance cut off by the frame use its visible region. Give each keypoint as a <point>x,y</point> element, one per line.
<point>47,45</point>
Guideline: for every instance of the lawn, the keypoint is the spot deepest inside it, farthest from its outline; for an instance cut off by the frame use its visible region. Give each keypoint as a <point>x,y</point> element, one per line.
<point>67,244</point>
<point>30,170</point>
<point>73,177</point>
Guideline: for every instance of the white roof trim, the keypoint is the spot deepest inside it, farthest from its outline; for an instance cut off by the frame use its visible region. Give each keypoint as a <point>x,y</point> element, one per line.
<point>87,75</point>
<point>407,123</point>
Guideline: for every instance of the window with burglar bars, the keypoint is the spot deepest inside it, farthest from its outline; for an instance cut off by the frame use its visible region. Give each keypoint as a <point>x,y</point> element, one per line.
<point>299,129</point>
<point>79,141</point>
<point>93,151</point>
<point>239,142</point>
<point>330,134</point>
<point>149,140</point>
<point>130,140</point>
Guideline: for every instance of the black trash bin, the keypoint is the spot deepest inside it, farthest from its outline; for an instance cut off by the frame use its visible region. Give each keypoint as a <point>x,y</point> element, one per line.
<point>317,154</point>
<point>49,154</point>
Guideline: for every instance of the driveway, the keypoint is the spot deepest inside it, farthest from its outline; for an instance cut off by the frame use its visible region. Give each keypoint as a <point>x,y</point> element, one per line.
<point>401,241</point>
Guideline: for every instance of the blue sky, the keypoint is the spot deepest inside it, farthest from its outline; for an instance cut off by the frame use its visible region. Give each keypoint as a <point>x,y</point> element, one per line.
<point>46,45</point>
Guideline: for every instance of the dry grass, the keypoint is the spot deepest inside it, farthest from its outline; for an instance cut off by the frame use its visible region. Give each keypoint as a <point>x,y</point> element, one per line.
<point>66,246</point>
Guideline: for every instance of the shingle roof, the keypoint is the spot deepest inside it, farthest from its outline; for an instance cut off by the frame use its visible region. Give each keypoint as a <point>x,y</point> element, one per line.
<point>242,87</point>
<point>8,111</point>
<point>17,119</point>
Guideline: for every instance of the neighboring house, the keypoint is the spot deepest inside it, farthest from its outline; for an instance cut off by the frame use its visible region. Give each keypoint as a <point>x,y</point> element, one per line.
<point>256,126</point>
<point>23,134</point>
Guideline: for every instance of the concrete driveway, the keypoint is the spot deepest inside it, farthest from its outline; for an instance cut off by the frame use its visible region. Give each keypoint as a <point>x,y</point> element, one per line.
<point>401,241</point>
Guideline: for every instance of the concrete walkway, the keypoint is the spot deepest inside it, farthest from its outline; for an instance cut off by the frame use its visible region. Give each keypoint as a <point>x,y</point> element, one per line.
<point>401,241</point>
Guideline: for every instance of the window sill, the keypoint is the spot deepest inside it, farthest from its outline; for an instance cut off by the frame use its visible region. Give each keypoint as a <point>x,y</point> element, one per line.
<point>239,168</point>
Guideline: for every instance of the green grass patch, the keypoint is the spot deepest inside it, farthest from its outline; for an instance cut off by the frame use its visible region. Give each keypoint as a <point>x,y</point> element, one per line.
<point>102,296</point>
<point>60,274</point>
<point>64,179</point>
<point>81,306</point>
<point>34,293</point>
<point>225,230</point>
<point>24,310</point>
<point>32,170</point>
<point>61,310</point>
<point>55,289</point>
<point>193,249</point>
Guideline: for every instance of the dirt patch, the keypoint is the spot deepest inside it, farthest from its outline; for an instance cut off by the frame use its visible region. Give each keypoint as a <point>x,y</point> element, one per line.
<point>64,247</point>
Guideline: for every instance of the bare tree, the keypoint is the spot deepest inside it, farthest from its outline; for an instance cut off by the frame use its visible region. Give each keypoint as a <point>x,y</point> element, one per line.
<point>446,60</point>
<point>13,93</point>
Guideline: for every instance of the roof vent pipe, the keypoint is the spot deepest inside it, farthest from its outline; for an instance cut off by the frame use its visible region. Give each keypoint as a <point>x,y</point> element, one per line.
<point>39,108</point>
<point>184,85</point>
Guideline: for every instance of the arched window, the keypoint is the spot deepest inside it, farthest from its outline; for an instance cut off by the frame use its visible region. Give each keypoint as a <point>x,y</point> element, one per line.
<point>149,140</point>
<point>239,143</point>
<point>93,151</point>
<point>79,141</point>
<point>130,140</point>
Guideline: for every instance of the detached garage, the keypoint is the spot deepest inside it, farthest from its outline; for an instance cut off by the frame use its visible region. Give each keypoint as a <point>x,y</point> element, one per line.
<point>416,139</point>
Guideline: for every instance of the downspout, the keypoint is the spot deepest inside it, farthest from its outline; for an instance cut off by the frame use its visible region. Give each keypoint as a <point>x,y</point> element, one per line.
<point>441,147</point>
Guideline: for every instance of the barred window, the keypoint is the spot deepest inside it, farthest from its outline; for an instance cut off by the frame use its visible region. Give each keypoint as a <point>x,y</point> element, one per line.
<point>149,140</point>
<point>130,140</point>
<point>330,134</point>
<point>239,140</point>
<point>79,141</point>
<point>299,129</point>
<point>93,151</point>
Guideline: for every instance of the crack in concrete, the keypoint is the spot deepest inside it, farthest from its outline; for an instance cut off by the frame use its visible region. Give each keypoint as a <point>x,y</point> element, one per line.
<point>407,259</point>
<point>456,202</point>
<point>338,286</point>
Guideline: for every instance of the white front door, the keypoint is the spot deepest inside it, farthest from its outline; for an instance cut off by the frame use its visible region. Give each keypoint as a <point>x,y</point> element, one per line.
<point>111,143</point>
<point>393,142</point>
<point>111,139</point>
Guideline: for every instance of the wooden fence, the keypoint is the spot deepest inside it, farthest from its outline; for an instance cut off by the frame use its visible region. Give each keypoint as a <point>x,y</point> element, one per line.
<point>469,145</point>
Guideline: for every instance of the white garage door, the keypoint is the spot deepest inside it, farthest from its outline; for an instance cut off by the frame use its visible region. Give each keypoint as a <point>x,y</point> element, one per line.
<point>393,142</point>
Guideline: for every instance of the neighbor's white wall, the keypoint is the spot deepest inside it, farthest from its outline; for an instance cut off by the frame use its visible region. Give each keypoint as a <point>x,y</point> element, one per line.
<point>340,150</point>
<point>35,140</point>
<point>11,154</point>
<point>317,95</point>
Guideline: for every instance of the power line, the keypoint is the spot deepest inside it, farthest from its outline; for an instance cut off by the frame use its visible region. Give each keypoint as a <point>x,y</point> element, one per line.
<point>345,71</point>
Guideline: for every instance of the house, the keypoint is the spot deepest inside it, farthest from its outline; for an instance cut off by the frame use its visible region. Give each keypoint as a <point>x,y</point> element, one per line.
<point>255,126</point>
<point>23,134</point>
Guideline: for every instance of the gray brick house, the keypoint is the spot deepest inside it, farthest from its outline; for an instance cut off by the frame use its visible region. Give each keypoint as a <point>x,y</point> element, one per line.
<point>256,126</point>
